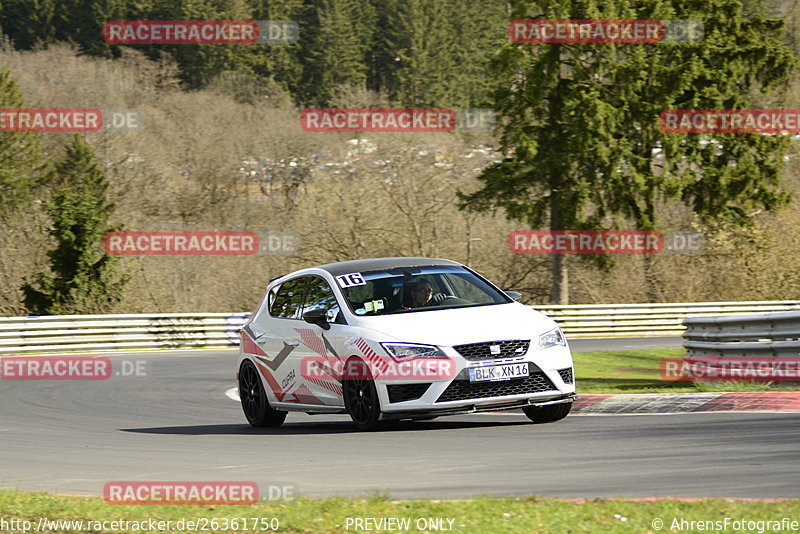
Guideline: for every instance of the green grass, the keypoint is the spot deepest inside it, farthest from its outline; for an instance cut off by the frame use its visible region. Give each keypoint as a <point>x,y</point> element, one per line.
<point>483,515</point>
<point>636,371</point>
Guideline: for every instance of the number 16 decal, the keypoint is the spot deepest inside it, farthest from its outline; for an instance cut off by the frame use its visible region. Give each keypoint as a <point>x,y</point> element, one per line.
<point>350,280</point>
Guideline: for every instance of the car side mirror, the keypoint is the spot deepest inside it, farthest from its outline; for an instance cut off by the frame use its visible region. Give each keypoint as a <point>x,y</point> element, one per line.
<point>513,295</point>
<point>317,316</point>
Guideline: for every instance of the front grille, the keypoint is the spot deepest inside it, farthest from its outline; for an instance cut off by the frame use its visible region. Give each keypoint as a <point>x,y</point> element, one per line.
<point>464,389</point>
<point>483,351</point>
<point>566,375</point>
<point>406,392</point>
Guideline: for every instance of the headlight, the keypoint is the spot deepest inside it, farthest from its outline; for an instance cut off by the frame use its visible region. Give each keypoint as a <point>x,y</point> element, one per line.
<point>551,338</point>
<point>407,351</point>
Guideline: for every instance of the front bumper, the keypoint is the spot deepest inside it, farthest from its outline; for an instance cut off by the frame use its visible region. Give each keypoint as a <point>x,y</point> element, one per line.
<point>494,406</point>
<point>461,395</point>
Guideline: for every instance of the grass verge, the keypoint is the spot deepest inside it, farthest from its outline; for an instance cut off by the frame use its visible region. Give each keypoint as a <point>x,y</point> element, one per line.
<point>483,515</point>
<point>636,371</point>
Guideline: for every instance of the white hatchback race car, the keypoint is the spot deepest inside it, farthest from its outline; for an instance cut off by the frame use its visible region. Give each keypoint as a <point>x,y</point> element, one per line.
<point>399,338</point>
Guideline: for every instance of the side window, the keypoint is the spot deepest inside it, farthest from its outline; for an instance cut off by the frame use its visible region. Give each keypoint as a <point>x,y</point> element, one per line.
<point>271,297</point>
<point>264,305</point>
<point>288,298</point>
<point>467,289</point>
<point>320,295</point>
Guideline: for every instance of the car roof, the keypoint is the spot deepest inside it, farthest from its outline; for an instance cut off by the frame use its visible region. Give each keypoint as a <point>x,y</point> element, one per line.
<point>377,264</point>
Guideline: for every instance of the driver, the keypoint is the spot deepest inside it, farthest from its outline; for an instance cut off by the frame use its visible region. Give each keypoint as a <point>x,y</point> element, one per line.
<point>422,294</point>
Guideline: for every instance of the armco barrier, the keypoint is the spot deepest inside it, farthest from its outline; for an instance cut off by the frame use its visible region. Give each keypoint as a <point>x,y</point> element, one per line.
<point>70,333</point>
<point>761,335</point>
<point>610,320</point>
<point>81,333</point>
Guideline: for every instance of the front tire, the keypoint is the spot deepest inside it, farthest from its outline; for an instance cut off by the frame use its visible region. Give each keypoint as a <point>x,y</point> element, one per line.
<point>548,414</point>
<point>361,396</point>
<point>254,399</point>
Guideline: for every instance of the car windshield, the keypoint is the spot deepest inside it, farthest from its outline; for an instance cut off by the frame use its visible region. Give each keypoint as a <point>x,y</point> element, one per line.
<point>416,289</point>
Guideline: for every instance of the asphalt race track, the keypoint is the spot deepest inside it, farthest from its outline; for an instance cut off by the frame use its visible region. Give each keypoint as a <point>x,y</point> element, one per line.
<point>176,423</point>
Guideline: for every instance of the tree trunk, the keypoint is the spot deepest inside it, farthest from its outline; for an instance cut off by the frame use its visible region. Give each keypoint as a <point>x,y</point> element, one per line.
<point>559,293</point>
<point>650,282</point>
<point>651,287</point>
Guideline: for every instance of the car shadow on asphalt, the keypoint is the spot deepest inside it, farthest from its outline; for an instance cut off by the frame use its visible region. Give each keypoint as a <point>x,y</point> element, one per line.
<point>342,427</point>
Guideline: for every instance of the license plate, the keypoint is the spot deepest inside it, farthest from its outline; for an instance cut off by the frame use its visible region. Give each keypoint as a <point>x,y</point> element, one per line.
<point>498,372</point>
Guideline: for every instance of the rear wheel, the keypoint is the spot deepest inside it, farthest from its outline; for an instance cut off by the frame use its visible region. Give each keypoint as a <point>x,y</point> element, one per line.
<point>361,396</point>
<point>254,399</point>
<point>547,414</point>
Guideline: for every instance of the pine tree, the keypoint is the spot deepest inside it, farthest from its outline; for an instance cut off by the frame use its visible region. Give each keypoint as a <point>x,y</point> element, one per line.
<point>479,30</point>
<point>81,22</point>
<point>442,50</point>
<point>724,178</point>
<point>20,156</point>
<point>84,278</point>
<point>29,23</point>
<point>199,64</point>
<point>583,122</point>
<point>336,38</point>
<point>32,23</point>
<point>280,64</point>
